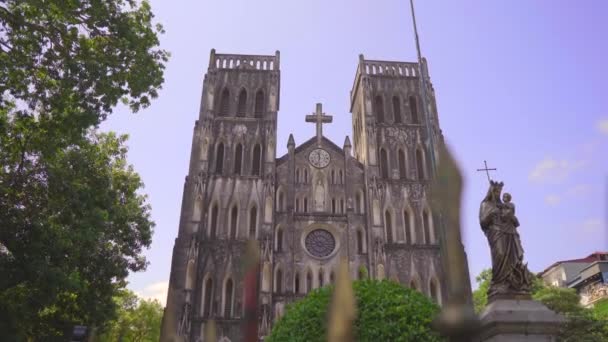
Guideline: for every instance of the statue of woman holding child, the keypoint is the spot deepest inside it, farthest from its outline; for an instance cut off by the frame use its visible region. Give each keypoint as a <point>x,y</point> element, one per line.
<point>510,276</point>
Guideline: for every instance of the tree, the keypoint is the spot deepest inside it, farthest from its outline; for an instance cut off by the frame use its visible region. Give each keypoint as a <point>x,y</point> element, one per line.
<point>480,296</point>
<point>73,223</point>
<point>72,61</point>
<point>73,229</point>
<point>600,309</point>
<point>386,311</point>
<point>137,320</point>
<point>558,299</point>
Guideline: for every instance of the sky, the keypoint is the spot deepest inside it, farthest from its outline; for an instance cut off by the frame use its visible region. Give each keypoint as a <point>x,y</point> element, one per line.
<point>518,83</point>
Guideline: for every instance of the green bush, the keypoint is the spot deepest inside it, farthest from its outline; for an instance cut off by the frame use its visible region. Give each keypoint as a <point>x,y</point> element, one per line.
<point>386,311</point>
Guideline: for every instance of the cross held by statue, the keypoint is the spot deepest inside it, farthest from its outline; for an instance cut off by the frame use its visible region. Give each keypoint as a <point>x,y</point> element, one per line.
<point>487,170</point>
<point>319,118</point>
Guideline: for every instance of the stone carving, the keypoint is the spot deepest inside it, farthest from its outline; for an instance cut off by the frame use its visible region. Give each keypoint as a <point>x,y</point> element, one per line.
<point>265,320</point>
<point>416,191</point>
<point>510,276</point>
<point>184,322</point>
<point>193,250</point>
<point>266,249</point>
<point>239,131</point>
<point>397,134</point>
<point>200,184</point>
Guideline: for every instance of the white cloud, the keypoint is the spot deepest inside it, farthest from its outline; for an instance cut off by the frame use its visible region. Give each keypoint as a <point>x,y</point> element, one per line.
<point>591,225</point>
<point>578,190</point>
<point>602,125</point>
<point>156,291</point>
<point>553,171</point>
<point>553,200</point>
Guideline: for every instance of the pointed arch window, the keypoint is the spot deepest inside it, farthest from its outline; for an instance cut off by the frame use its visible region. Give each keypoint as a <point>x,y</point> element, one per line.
<point>414,285</point>
<point>214,218</point>
<point>297,209</point>
<point>434,291</point>
<point>333,205</point>
<point>341,205</point>
<point>296,283</point>
<point>224,102</point>
<point>242,105</point>
<point>219,158</point>
<point>238,159</point>
<point>379,108</point>
<point>228,298</point>
<point>234,216</point>
<point>341,177</point>
<point>414,110</point>
<point>305,205</point>
<point>388,225</point>
<point>279,238</point>
<point>321,278</point>
<point>305,176</point>
<point>208,298</point>
<point>308,281</point>
<point>402,169</point>
<point>281,201</point>
<point>383,164</point>
<point>256,161</point>
<point>333,176</point>
<point>278,286</point>
<point>360,205</point>
<point>259,104</point>
<point>426,224</point>
<point>420,164</point>
<point>297,176</point>
<point>397,109</point>
<point>253,222</point>
<point>359,241</point>
<point>407,227</point>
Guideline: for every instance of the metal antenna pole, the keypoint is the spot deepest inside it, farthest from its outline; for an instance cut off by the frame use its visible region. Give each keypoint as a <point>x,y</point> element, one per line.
<point>425,110</point>
<point>457,321</point>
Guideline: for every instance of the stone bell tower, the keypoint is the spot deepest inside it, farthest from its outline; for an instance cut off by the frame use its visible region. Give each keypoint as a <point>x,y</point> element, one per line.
<point>390,134</point>
<point>228,194</point>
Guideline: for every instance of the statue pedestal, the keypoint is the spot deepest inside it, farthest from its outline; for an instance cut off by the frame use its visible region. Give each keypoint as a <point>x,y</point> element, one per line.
<point>518,320</point>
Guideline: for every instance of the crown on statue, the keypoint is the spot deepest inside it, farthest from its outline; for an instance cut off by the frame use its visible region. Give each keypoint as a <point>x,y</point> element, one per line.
<point>496,184</point>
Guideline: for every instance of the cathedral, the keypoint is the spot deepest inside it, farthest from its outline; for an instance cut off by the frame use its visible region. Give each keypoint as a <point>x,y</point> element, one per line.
<point>366,201</point>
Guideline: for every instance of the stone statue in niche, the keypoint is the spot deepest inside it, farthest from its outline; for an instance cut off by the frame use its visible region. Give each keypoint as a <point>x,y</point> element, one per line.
<point>510,276</point>
<point>319,196</point>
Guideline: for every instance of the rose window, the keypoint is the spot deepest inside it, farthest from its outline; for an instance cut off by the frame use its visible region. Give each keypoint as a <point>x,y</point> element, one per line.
<point>320,243</point>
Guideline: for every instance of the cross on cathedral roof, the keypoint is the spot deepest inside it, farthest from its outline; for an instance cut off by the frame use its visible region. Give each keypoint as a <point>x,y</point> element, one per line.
<point>319,118</point>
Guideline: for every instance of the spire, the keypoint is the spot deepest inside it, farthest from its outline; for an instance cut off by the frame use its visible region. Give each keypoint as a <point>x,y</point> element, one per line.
<point>291,142</point>
<point>347,146</point>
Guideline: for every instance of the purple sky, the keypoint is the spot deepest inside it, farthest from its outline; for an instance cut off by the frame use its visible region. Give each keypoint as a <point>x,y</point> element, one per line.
<point>519,83</point>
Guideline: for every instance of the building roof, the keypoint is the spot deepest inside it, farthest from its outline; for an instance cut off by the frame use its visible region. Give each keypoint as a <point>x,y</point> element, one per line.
<point>595,256</point>
<point>590,273</point>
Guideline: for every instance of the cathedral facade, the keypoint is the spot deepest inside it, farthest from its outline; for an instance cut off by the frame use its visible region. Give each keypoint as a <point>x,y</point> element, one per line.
<point>366,202</point>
